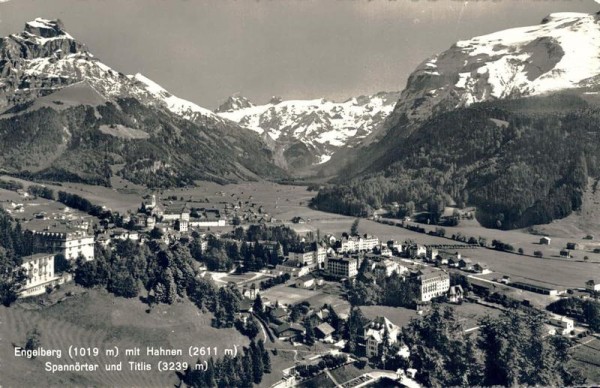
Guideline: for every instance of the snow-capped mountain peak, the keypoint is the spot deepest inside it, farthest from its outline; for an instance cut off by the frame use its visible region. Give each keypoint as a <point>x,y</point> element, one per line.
<point>559,53</point>
<point>45,28</point>
<point>316,128</point>
<point>179,106</point>
<point>44,58</point>
<point>234,102</point>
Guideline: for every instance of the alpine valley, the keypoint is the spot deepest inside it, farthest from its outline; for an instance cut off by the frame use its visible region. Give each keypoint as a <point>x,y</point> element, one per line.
<point>507,122</point>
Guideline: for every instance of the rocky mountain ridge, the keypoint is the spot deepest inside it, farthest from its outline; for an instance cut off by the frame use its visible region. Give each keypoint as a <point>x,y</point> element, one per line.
<point>309,132</point>
<point>45,72</point>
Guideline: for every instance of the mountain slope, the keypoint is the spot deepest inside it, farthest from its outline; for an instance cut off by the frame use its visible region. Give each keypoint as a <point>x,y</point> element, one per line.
<point>77,116</point>
<point>308,132</point>
<point>520,162</point>
<point>506,122</point>
<point>559,53</point>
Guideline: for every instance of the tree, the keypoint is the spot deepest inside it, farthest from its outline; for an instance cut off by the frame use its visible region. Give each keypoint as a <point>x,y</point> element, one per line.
<point>257,362</point>
<point>354,328</point>
<point>61,264</point>
<point>32,340</point>
<point>521,251</point>
<point>156,234</point>
<point>258,306</point>
<point>12,277</point>
<point>251,329</point>
<point>591,312</point>
<point>309,337</point>
<point>354,227</point>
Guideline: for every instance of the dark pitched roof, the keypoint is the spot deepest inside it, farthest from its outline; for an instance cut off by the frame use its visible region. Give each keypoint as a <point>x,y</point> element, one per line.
<point>325,329</point>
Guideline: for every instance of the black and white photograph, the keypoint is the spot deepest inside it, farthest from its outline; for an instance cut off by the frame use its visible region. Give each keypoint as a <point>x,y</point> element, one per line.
<point>299,193</point>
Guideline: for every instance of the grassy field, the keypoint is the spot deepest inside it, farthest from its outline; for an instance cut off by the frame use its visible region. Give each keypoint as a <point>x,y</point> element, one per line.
<point>522,238</point>
<point>320,381</point>
<point>97,319</point>
<point>289,295</point>
<point>550,269</point>
<point>120,200</point>
<point>399,316</point>
<point>586,357</point>
<point>348,372</point>
<point>469,314</point>
<point>557,272</point>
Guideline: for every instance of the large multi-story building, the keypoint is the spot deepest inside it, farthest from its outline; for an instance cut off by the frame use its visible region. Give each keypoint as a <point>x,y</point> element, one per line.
<point>344,267</point>
<point>40,274</point>
<point>310,257</point>
<point>433,283</point>
<point>375,333</point>
<point>357,244</point>
<point>387,267</point>
<point>70,243</point>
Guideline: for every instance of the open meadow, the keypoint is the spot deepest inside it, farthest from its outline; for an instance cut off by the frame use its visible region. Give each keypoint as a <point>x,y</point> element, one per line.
<point>93,318</point>
<point>120,200</point>
<point>586,357</point>
<point>329,293</point>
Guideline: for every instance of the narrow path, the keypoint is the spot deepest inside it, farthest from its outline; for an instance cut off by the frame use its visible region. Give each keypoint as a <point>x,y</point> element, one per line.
<point>337,384</point>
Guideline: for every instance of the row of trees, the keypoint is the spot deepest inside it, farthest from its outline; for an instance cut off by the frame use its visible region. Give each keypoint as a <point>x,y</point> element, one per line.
<point>509,350</point>
<point>243,370</point>
<point>78,202</point>
<point>587,311</point>
<point>14,244</point>
<point>165,273</point>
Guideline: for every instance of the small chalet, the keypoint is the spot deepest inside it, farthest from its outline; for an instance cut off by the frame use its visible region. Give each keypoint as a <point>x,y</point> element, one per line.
<point>279,314</point>
<point>545,240</point>
<point>572,246</point>
<point>323,314</point>
<point>465,264</point>
<point>306,281</point>
<point>481,268</point>
<point>562,325</point>
<point>298,220</point>
<point>565,253</point>
<point>592,285</point>
<point>287,330</point>
<point>453,262</point>
<point>246,305</point>
<point>455,294</point>
<point>325,332</point>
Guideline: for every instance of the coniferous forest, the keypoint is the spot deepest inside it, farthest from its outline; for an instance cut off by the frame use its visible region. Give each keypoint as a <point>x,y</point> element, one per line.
<point>521,162</point>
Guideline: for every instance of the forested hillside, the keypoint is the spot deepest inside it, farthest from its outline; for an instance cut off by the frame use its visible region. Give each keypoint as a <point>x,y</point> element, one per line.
<point>13,246</point>
<point>521,162</point>
<point>155,147</point>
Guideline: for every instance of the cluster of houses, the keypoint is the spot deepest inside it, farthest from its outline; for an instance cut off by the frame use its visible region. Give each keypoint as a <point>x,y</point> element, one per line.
<point>341,260</point>
<point>454,260</point>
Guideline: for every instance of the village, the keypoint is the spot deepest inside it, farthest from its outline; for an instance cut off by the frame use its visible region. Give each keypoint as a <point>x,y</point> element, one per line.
<point>300,289</point>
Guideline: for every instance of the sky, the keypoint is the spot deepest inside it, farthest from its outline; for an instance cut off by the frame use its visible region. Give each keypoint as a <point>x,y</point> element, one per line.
<point>207,50</point>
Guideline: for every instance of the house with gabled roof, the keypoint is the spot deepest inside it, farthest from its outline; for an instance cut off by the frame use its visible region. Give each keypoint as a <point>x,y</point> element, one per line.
<point>376,332</point>
<point>324,332</point>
